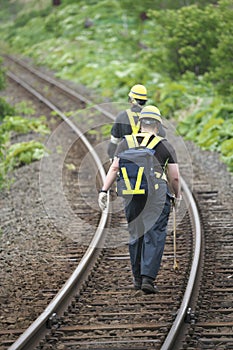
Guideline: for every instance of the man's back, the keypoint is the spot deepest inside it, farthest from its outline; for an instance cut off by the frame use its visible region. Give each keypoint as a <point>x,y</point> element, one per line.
<point>126,123</point>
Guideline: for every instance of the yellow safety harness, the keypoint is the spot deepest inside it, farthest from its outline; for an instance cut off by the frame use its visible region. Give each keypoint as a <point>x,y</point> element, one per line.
<point>132,143</point>
<point>135,126</point>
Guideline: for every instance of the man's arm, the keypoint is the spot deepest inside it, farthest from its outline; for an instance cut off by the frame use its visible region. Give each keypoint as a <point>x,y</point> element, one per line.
<point>117,132</point>
<point>173,175</point>
<point>111,175</point>
<point>112,146</point>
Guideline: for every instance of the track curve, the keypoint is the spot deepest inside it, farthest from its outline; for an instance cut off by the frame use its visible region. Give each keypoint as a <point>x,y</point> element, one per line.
<point>185,308</point>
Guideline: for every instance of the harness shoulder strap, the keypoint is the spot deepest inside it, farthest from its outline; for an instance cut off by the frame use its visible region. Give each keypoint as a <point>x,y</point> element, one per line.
<point>131,141</point>
<point>154,142</point>
<point>145,141</point>
<point>135,126</point>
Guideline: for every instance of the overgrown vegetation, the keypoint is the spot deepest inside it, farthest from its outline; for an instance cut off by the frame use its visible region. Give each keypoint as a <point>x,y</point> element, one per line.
<point>14,154</point>
<point>181,50</point>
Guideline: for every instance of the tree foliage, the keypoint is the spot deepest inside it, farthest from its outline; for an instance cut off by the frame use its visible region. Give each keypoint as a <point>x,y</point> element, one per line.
<point>193,39</point>
<point>221,72</point>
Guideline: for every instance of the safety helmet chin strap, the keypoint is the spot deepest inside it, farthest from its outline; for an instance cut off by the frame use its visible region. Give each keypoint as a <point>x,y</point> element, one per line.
<point>134,102</point>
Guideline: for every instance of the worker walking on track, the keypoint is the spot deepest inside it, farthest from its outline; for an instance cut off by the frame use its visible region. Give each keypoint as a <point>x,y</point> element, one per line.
<point>147,173</point>
<point>127,121</point>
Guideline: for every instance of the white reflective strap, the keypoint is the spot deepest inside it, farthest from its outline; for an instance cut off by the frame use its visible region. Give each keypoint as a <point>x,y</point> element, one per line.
<point>115,140</point>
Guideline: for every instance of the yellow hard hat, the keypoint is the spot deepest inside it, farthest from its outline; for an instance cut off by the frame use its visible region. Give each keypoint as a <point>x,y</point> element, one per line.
<point>150,112</point>
<point>138,92</point>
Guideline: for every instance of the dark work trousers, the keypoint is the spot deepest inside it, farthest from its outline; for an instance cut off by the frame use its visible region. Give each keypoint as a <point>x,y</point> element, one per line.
<point>147,218</point>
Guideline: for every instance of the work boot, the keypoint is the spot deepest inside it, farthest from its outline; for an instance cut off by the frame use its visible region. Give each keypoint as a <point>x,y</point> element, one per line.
<point>137,283</point>
<point>148,286</point>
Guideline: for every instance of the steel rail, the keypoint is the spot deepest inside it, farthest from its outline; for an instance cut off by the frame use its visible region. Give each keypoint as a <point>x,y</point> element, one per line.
<point>62,87</point>
<point>39,325</point>
<point>173,333</point>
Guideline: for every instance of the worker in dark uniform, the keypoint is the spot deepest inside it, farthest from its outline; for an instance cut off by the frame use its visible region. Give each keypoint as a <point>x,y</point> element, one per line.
<point>127,121</point>
<point>147,216</point>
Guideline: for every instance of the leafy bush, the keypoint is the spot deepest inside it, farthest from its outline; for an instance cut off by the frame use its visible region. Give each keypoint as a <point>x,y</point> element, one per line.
<point>211,128</point>
<point>221,72</point>
<point>193,39</point>
<point>17,154</point>
<point>23,153</point>
<point>5,109</point>
<point>22,125</point>
<point>185,38</point>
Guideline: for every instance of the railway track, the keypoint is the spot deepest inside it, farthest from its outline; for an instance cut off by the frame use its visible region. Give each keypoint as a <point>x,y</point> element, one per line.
<point>105,311</point>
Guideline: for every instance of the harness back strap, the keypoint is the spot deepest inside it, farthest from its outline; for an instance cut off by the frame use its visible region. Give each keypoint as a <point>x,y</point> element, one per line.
<point>133,142</point>
<point>135,126</point>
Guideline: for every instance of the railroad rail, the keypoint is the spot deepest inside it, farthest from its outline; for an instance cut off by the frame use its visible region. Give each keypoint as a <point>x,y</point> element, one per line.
<point>52,316</point>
